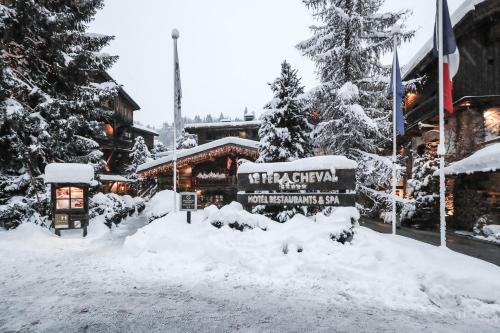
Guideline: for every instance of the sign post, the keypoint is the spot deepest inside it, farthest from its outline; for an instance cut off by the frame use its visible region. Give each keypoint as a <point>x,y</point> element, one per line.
<point>189,203</point>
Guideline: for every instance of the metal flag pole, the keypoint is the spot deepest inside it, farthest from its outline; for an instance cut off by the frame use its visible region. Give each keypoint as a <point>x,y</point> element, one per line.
<point>394,144</point>
<point>441,148</point>
<point>175,36</point>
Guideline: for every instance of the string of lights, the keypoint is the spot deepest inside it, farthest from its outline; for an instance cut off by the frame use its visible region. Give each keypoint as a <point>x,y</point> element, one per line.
<point>201,157</point>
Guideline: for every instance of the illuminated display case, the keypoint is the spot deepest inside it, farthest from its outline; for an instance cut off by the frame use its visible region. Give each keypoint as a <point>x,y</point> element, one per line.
<point>70,208</point>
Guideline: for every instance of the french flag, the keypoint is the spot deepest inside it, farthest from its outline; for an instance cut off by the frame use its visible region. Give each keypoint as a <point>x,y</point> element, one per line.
<point>451,57</point>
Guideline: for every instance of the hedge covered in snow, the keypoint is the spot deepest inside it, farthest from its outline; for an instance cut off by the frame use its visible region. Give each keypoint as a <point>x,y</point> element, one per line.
<point>114,207</point>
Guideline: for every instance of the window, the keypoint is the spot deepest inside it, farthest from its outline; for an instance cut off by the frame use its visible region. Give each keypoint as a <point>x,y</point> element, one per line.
<point>492,123</point>
<point>69,198</point>
<point>108,129</point>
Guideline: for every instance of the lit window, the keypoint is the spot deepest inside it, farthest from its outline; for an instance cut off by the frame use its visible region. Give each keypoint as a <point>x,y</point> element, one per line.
<point>69,198</point>
<point>108,129</point>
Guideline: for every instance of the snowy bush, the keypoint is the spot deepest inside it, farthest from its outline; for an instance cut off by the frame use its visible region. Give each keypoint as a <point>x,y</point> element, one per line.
<point>140,205</point>
<point>129,204</point>
<point>114,207</point>
<point>485,228</point>
<point>234,217</point>
<point>161,204</point>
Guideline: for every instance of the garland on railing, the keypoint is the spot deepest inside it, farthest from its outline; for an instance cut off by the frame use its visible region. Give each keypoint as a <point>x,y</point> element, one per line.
<point>211,175</point>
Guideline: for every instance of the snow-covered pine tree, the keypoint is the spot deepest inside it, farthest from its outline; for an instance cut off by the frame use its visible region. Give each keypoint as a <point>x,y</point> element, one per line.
<point>186,140</point>
<point>159,147</point>
<point>50,106</point>
<point>140,154</point>
<point>346,46</point>
<point>423,187</point>
<point>284,132</point>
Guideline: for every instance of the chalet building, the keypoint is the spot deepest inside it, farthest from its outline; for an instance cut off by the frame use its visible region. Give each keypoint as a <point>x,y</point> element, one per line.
<point>473,127</point>
<point>118,139</point>
<point>207,132</point>
<point>208,169</point>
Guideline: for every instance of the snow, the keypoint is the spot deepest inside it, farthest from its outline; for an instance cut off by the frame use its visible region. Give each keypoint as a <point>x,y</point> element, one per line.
<point>489,232</point>
<point>145,129</point>
<point>161,204</point>
<point>348,92</point>
<point>225,124</point>
<point>390,271</point>
<point>174,276</point>
<point>198,149</point>
<point>114,178</point>
<point>69,173</point>
<point>13,107</point>
<point>483,160</point>
<point>305,164</point>
<point>466,7</point>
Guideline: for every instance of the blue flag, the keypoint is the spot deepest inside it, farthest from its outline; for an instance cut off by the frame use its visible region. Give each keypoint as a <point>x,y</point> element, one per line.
<point>400,118</point>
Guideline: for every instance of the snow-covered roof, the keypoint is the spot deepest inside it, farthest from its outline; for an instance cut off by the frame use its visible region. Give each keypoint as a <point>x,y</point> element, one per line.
<point>304,164</point>
<point>225,124</point>
<point>145,129</point>
<point>198,149</point>
<point>466,7</point>
<point>114,178</point>
<point>69,173</point>
<point>483,160</point>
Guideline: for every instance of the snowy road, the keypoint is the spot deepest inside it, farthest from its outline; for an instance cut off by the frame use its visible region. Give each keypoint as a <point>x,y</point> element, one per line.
<point>77,288</point>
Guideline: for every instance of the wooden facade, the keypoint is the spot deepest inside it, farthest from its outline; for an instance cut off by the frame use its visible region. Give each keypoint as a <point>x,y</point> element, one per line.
<point>209,170</point>
<point>120,131</point>
<point>475,121</point>
<point>207,132</point>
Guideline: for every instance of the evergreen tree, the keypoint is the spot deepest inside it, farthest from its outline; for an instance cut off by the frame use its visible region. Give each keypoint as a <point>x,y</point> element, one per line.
<point>51,95</point>
<point>209,118</point>
<point>351,35</point>
<point>284,133</point>
<point>159,147</point>
<point>140,154</point>
<point>423,187</point>
<point>186,140</point>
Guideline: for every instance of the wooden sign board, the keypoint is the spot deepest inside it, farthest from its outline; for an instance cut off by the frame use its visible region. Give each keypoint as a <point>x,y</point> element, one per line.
<point>297,199</point>
<point>189,201</point>
<point>317,180</point>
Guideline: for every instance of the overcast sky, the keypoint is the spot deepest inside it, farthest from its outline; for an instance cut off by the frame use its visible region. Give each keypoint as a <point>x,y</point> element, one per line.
<point>228,49</point>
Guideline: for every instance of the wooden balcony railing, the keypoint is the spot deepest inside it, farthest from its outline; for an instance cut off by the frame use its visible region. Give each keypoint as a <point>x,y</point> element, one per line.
<point>422,112</point>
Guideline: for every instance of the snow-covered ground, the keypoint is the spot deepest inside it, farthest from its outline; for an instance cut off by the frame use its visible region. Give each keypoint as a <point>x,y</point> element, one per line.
<point>171,276</point>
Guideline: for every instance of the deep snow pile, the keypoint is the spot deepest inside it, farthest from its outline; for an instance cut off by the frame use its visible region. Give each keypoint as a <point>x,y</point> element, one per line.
<point>161,204</point>
<point>376,269</point>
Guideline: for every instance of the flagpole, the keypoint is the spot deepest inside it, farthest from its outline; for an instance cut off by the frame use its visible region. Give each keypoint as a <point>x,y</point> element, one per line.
<point>175,36</point>
<point>441,148</point>
<point>394,143</point>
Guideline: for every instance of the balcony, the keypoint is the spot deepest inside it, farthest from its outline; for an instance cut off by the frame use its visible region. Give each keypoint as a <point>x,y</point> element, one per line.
<point>422,112</point>
<point>214,182</point>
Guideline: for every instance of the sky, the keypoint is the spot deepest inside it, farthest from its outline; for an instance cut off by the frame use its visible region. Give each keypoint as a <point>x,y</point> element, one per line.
<point>229,50</point>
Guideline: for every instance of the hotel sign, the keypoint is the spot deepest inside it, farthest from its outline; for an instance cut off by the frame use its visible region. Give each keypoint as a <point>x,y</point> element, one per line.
<point>316,180</point>
<point>297,199</point>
